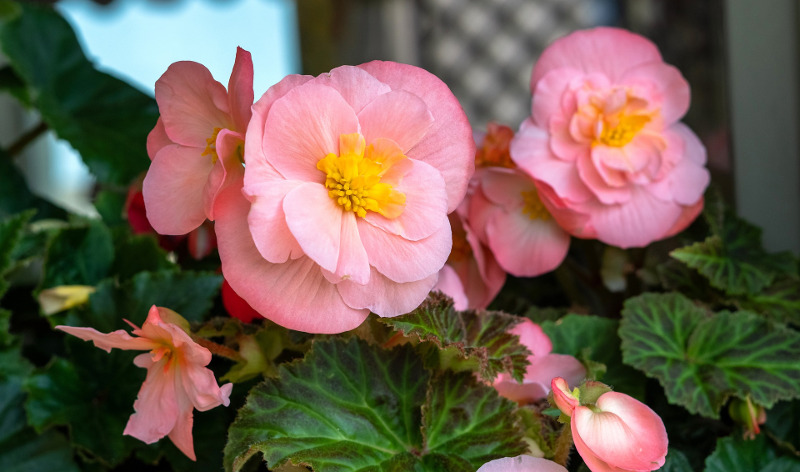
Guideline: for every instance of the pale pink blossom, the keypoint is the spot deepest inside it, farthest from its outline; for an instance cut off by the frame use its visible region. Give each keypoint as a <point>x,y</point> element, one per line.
<point>197,144</point>
<point>509,217</point>
<point>543,368</point>
<point>177,378</point>
<point>472,277</point>
<point>604,143</point>
<point>617,433</point>
<point>349,180</point>
<point>522,463</point>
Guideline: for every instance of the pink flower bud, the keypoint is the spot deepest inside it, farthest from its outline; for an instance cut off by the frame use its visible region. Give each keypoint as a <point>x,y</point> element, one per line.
<point>566,401</point>
<point>618,433</point>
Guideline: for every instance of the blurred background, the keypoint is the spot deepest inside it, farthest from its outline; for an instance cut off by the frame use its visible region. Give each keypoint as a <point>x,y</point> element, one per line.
<point>739,57</point>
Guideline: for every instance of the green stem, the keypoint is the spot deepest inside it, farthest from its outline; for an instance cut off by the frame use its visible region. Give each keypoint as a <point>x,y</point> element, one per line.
<point>23,141</point>
<point>218,349</point>
<point>563,445</point>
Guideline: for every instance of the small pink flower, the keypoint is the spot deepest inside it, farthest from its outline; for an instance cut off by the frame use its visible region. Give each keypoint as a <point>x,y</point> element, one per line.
<point>343,210</point>
<point>544,367</point>
<point>618,434</point>
<point>604,143</point>
<point>472,276</point>
<point>509,217</point>
<point>196,146</point>
<point>521,464</point>
<point>177,379</point>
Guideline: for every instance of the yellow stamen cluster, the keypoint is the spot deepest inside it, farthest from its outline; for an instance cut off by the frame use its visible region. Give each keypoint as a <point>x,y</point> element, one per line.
<point>353,178</point>
<point>211,146</point>
<point>533,206</point>
<point>621,130</point>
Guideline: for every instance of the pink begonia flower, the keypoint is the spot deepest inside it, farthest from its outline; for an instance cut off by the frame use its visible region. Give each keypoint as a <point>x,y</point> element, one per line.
<point>471,277</point>
<point>522,463</point>
<point>349,180</point>
<point>177,378</point>
<point>509,217</point>
<point>543,368</point>
<point>617,433</point>
<point>604,144</point>
<point>196,146</point>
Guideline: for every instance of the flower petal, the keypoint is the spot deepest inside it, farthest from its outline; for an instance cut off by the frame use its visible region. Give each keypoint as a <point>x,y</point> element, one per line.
<point>267,221</point>
<point>192,104</point>
<point>521,464</point>
<point>293,294</point>
<point>240,89</point>
<point>174,189</point>
<point>401,260</point>
<point>157,139</point>
<point>384,297</point>
<point>315,221</point>
<point>426,203</point>
<point>612,51</point>
<point>450,284</point>
<point>119,339</point>
<point>448,145</point>
<point>356,85</point>
<point>303,127</point>
<point>398,115</point>
<point>156,406</point>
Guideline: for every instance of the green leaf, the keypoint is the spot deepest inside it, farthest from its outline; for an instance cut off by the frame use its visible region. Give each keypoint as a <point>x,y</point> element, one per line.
<point>734,260</point>
<point>480,336</point>
<point>136,253</point>
<point>190,294</point>
<point>734,454</point>
<point>102,117</point>
<point>780,301</point>
<point>93,396</point>
<point>702,359</point>
<point>11,231</point>
<point>15,196</point>
<point>21,448</point>
<point>350,406</point>
<point>676,461</point>
<point>573,334</point>
<point>80,255</point>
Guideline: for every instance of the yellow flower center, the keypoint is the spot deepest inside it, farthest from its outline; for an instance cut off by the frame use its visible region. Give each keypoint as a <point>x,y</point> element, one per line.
<point>353,177</point>
<point>533,207</point>
<point>619,130</point>
<point>211,146</point>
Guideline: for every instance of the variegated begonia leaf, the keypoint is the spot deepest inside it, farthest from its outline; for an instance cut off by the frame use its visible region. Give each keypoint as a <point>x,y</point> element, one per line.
<point>477,335</point>
<point>734,454</point>
<point>352,406</point>
<point>703,358</point>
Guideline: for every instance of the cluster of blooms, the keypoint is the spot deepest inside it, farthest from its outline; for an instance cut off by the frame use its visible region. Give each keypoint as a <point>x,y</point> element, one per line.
<point>344,194</point>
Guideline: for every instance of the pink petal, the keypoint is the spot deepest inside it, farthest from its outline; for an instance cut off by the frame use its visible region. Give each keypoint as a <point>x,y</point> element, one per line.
<point>594,463</point>
<point>689,179</point>
<point>303,127</point>
<point>253,150</point>
<point>563,397</point>
<point>450,284</point>
<point>315,221</point>
<point>174,189</point>
<point>356,85</point>
<point>521,464</point>
<point>267,220</point>
<point>663,87</point>
<point>201,388</point>
<point>530,151</point>
<point>191,103</point>
<point>181,434</point>
<point>157,139</point>
<point>240,89</point>
<point>637,223</point>
<point>384,297</point>
<point>156,406</point>
<point>293,294</point>
<point>353,263</point>
<point>448,144</point>
<point>611,51</point>
<point>225,170</point>
<point>601,183</point>
<point>119,339</point>
<point>687,217</point>
<point>398,115</point>
<point>481,275</point>
<point>625,434</point>
<point>533,337</point>
<point>549,93</point>
<point>401,260</point>
<point>426,203</point>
